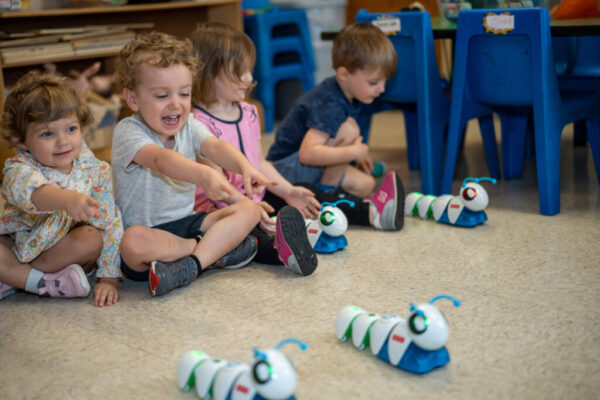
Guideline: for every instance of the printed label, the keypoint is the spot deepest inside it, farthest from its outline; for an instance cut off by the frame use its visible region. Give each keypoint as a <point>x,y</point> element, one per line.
<point>499,23</point>
<point>388,25</point>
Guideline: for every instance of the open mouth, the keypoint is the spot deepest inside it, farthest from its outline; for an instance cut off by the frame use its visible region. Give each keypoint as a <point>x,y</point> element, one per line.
<point>171,120</point>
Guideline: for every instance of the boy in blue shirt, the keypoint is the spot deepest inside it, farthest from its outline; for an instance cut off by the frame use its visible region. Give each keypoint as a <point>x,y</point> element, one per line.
<point>319,138</point>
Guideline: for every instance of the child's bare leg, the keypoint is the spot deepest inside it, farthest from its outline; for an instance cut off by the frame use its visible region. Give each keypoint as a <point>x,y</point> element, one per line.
<point>225,229</point>
<point>354,181</point>
<point>357,182</point>
<point>141,245</point>
<point>12,271</point>
<point>81,245</point>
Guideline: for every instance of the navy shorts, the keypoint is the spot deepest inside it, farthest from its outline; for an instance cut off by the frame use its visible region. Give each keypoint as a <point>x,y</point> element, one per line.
<point>186,227</point>
<point>294,171</point>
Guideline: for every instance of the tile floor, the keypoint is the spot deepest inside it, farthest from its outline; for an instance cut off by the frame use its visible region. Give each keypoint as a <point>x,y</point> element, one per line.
<point>528,326</point>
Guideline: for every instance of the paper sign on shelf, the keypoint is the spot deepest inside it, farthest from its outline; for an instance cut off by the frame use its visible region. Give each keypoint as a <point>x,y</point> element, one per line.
<point>499,23</point>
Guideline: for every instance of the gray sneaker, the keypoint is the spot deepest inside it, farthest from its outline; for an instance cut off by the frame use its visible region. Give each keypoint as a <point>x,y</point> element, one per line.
<point>165,276</point>
<point>240,256</point>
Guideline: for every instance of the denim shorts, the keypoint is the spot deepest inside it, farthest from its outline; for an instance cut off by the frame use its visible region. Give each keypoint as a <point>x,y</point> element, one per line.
<point>186,227</point>
<point>294,171</point>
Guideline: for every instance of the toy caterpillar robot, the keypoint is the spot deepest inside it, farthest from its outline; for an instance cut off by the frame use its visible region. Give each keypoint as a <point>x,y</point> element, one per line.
<point>415,344</point>
<point>271,375</point>
<point>326,233</point>
<point>466,209</point>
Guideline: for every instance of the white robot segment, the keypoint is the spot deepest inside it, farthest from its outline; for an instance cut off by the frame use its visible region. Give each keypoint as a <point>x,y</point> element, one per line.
<point>360,328</point>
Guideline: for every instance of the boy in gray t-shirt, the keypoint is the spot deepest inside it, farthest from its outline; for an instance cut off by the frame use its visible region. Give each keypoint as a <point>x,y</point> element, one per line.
<point>156,173</point>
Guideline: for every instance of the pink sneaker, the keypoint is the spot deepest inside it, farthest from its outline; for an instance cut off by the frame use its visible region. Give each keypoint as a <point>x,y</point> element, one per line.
<point>291,242</point>
<point>388,204</point>
<point>69,282</point>
<point>6,290</point>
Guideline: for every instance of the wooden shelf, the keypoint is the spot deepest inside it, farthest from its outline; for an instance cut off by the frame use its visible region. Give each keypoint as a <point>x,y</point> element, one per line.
<point>117,9</point>
<point>177,18</point>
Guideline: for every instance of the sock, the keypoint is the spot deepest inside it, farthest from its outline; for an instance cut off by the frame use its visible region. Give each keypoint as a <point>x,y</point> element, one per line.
<point>33,280</point>
<point>198,265</point>
<point>325,188</point>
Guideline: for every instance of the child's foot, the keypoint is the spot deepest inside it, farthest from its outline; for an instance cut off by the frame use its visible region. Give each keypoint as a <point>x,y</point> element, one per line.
<point>166,276</point>
<point>240,256</point>
<point>67,283</point>
<point>291,242</point>
<point>387,204</point>
<point>6,290</point>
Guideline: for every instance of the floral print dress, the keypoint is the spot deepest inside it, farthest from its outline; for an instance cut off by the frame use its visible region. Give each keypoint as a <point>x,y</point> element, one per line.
<point>34,231</point>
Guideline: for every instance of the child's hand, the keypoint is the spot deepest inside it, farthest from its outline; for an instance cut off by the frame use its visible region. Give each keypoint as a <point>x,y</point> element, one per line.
<point>360,150</point>
<point>216,186</point>
<point>81,207</point>
<point>304,200</point>
<point>254,181</point>
<point>106,292</point>
<point>266,223</point>
<point>366,165</point>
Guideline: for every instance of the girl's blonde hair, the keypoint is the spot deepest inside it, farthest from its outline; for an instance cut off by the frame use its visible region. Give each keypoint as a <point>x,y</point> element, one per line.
<point>153,48</point>
<point>38,97</point>
<point>364,46</point>
<point>220,48</point>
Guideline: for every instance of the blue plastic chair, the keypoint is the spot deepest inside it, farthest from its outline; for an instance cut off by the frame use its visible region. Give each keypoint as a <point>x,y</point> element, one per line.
<point>283,50</point>
<point>513,74</point>
<point>417,90</point>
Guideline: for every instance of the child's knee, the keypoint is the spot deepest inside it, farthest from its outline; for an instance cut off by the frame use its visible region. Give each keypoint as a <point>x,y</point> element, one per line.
<point>348,132</point>
<point>133,236</point>
<point>88,240</point>
<point>252,209</point>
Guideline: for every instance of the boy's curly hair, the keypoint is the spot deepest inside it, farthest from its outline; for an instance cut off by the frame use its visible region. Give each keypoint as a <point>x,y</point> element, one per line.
<point>39,97</point>
<point>154,48</point>
<point>363,46</point>
<point>220,47</point>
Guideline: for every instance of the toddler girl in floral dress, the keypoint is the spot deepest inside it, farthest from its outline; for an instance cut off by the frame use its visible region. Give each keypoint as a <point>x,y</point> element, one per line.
<point>60,219</point>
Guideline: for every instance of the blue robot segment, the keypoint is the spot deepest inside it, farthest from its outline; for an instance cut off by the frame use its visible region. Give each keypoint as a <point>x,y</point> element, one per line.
<point>465,210</point>
<point>415,344</point>
<point>271,375</point>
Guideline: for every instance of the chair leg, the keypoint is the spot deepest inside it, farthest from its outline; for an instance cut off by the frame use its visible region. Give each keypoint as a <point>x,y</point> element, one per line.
<point>593,136</point>
<point>579,133</point>
<point>412,139</point>
<point>490,147</point>
<point>514,132</point>
<point>547,160</point>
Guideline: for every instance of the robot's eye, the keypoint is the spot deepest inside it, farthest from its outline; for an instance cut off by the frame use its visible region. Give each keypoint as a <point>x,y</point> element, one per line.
<point>418,324</point>
<point>327,218</point>
<point>469,193</point>
<point>262,371</point>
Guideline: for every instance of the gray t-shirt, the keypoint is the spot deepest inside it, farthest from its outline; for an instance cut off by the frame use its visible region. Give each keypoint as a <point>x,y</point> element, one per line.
<point>147,197</point>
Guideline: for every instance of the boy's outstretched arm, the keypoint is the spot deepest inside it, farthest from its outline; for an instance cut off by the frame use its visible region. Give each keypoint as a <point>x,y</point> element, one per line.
<point>226,156</point>
<point>176,166</point>
<point>319,149</point>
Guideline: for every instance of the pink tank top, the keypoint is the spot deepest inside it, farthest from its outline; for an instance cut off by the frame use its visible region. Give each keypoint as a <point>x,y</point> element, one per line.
<point>244,134</point>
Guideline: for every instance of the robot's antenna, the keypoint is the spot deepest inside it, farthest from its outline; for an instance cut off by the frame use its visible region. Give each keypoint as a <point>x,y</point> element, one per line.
<point>476,180</point>
<point>416,310</point>
<point>300,343</point>
<point>259,354</point>
<point>445,296</point>
<point>326,203</point>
